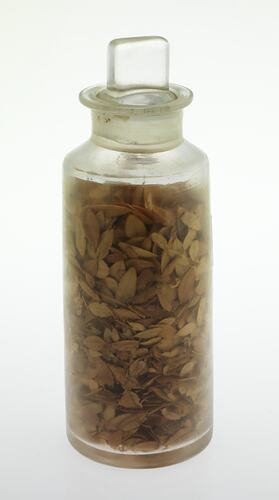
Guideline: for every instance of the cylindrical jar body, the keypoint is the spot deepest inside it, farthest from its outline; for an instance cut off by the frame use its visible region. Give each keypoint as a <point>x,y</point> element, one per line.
<point>137,253</point>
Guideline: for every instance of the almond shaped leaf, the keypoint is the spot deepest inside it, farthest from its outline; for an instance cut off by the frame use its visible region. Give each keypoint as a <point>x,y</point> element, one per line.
<point>100,310</point>
<point>185,289</point>
<point>105,243</point>
<point>134,226</point>
<point>127,286</point>
<point>91,227</point>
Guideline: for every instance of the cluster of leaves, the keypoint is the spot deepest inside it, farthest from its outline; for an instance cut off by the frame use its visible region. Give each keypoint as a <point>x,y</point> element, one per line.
<point>137,314</point>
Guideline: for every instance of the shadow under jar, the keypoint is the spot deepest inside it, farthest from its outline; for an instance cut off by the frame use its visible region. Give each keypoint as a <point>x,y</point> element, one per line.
<point>137,254</point>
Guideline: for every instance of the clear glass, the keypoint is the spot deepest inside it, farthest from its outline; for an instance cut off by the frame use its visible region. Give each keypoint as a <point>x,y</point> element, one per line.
<point>137,254</point>
<point>140,62</point>
<point>138,366</point>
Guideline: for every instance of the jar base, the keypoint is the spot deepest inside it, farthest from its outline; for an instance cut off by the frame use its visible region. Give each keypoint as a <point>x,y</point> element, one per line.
<point>140,461</point>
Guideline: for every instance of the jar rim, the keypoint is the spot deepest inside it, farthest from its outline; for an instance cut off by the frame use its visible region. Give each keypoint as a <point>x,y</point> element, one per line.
<point>100,99</point>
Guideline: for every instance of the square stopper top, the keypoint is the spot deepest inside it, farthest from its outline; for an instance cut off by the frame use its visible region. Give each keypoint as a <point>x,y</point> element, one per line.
<point>138,62</point>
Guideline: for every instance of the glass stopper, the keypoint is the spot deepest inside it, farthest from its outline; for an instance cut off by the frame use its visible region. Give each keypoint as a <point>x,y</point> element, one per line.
<point>139,62</point>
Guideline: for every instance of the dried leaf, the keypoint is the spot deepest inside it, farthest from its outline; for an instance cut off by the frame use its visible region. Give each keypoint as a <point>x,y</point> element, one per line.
<point>91,266</point>
<point>160,241</point>
<point>127,285</point>
<point>187,368</point>
<point>191,220</point>
<point>103,373</point>
<point>150,333</point>
<point>91,227</point>
<point>95,343</point>
<point>111,284</point>
<point>137,367</point>
<point>119,374</point>
<point>194,251</point>
<point>130,400</point>
<point>187,329</point>
<point>105,244</point>
<point>179,436</point>
<point>170,415</point>
<point>134,251</point>
<point>103,269</point>
<point>201,311</point>
<point>166,296</point>
<point>165,260</point>
<point>134,227</point>
<point>112,210</point>
<point>118,269</point>
<point>125,345</point>
<point>145,446</point>
<point>126,314</point>
<point>109,412</point>
<point>185,289</point>
<point>190,236</point>
<point>86,288</point>
<point>80,237</point>
<point>100,310</point>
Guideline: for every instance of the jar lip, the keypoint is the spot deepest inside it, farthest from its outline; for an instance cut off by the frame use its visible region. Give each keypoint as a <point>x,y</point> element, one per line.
<point>100,99</point>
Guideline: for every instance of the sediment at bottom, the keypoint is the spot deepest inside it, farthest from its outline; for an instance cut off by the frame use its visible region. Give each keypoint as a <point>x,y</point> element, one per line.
<point>140,461</point>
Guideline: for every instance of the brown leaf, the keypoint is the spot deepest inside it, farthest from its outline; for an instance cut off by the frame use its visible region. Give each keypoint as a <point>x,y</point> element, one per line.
<point>103,373</point>
<point>179,436</point>
<point>80,237</point>
<point>201,311</point>
<point>103,269</point>
<point>202,266</point>
<point>144,296</point>
<point>95,343</point>
<point>187,329</point>
<point>119,374</point>
<point>126,314</point>
<point>124,345</point>
<point>137,327</point>
<point>150,333</point>
<point>181,265</point>
<point>134,251</point>
<point>112,210</point>
<point>105,244</point>
<point>118,269</point>
<point>130,399</point>
<point>194,250</point>
<point>137,367</point>
<point>187,368</point>
<point>134,227</point>
<point>185,289</point>
<point>91,227</point>
<point>190,236</point>
<point>100,310</point>
<point>86,288</point>
<point>126,422</point>
<point>111,284</point>
<point>159,240</point>
<point>192,220</point>
<point>145,446</point>
<point>140,264</point>
<point>170,415</point>
<point>166,296</point>
<point>91,266</point>
<point>127,285</point>
<point>109,412</point>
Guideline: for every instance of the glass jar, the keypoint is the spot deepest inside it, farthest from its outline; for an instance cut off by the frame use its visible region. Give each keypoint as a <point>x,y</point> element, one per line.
<point>137,254</point>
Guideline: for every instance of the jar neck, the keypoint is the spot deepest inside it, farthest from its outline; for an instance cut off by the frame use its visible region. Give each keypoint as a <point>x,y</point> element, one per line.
<point>137,133</point>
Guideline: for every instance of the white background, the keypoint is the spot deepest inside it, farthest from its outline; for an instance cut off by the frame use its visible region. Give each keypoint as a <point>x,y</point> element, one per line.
<point>227,52</point>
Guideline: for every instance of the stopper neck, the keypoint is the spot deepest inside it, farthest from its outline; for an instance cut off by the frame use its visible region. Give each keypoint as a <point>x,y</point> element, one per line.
<point>137,133</point>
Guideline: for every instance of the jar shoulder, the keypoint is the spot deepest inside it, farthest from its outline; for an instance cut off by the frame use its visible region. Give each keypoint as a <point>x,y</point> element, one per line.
<point>185,162</point>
